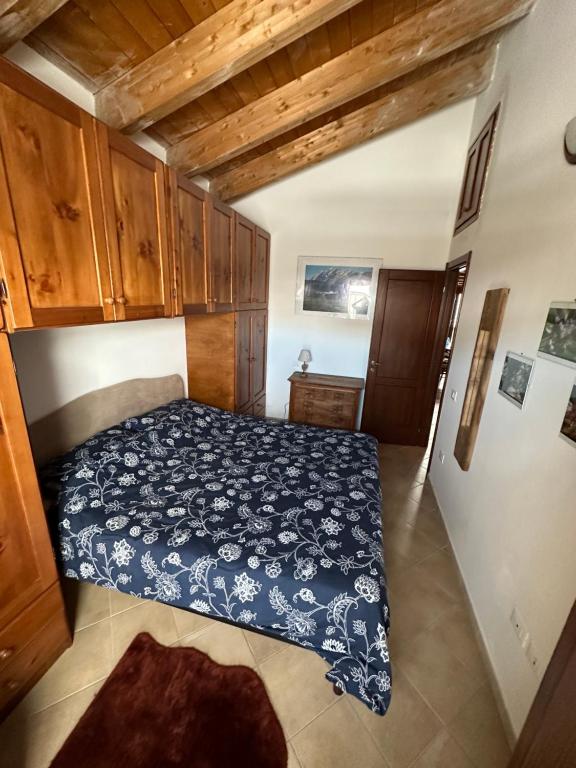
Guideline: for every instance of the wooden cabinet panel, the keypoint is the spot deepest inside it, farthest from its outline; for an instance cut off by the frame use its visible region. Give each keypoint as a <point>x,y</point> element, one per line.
<point>243,359</point>
<point>52,240</point>
<point>26,561</point>
<point>211,359</point>
<point>221,257</point>
<point>245,253</point>
<point>261,270</point>
<point>135,207</point>
<point>258,339</point>
<point>259,408</point>
<point>324,401</point>
<point>188,205</point>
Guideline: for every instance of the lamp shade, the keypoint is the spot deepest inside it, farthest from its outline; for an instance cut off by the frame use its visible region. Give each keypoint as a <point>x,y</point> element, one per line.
<point>305,356</point>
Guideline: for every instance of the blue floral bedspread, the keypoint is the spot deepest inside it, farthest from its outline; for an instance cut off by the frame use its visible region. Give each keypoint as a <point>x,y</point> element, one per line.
<point>268,524</point>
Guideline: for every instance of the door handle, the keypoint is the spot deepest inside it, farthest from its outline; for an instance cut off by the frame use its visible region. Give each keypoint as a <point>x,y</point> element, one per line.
<point>373,365</point>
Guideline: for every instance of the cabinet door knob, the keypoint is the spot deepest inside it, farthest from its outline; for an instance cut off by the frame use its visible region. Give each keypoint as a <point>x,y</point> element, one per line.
<point>5,653</point>
<point>109,300</point>
<point>12,685</point>
<point>121,300</point>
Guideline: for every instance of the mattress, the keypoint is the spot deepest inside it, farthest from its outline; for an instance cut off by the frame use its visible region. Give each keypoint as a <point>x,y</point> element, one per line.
<point>270,525</point>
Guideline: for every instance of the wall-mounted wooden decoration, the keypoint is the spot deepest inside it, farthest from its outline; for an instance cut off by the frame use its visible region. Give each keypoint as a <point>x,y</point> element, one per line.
<point>486,343</point>
<point>474,181</point>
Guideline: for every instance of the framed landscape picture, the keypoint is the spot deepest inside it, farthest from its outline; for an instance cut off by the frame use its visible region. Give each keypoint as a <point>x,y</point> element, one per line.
<point>568,430</point>
<point>558,341</point>
<point>516,378</point>
<point>336,287</point>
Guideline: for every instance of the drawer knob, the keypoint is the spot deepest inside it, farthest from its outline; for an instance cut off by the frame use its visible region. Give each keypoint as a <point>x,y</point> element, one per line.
<point>12,685</point>
<point>5,653</point>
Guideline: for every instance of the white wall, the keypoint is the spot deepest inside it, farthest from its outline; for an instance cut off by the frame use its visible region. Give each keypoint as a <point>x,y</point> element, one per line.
<point>55,366</point>
<point>393,199</point>
<point>512,517</point>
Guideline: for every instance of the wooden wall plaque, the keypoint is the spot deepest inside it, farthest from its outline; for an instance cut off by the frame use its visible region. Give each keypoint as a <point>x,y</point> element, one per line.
<point>479,377</point>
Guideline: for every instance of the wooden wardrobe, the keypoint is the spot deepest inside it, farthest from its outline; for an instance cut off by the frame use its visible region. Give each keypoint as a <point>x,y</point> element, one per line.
<point>33,626</point>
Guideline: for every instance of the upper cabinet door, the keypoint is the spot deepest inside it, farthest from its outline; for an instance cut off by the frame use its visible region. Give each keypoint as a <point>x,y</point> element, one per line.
<point>188,215</point>
<point>245,253</point>
<point>135,209</point>
<point>222,296</point>
<point>27,566</point>
<point>53,255</point>
<point>261,270</point>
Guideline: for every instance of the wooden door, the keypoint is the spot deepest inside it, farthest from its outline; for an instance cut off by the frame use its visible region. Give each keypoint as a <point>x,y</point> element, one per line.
<point>261,270</point>
<point>245,241</point>
<point>26,562</point>
<point>400,385</point>
<point>221,257</point>
<point>188,209</point>
<point>243,360</point>
<point>258,352</point>
<point>135,206</point>
<point>548,739</point>
<point>53,255</point>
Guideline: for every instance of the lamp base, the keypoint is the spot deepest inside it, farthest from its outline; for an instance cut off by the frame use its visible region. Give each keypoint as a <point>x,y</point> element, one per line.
<point>304,368</point>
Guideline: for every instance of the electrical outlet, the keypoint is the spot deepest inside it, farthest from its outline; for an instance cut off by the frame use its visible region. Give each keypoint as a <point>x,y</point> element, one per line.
<point>442,457</point>
<point>454,395</point>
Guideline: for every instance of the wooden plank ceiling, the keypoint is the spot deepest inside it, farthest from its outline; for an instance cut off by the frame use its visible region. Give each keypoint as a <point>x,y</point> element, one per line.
<point>248,91</point>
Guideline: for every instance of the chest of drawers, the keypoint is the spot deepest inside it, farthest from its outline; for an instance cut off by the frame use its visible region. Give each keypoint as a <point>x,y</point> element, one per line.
<point>324,401</point>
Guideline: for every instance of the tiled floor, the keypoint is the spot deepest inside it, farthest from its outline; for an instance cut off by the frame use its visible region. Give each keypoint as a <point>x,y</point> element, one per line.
<point>442,715</point>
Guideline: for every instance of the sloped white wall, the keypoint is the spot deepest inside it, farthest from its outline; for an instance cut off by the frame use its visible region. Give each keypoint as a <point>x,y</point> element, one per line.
<point>512,517</point>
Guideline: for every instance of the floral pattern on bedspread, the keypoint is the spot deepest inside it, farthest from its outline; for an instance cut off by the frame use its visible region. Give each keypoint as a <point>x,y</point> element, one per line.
<point>267,524</point>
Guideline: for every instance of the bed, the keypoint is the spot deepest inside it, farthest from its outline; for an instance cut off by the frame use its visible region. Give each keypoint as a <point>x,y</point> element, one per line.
<point>271,525</point>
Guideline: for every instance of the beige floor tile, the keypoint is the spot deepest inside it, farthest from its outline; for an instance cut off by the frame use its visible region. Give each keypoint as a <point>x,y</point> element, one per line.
<point>87,603</point>
<point>188,623</point>
<point>443,752</point>
<point>88,660</point>
<point>31,740</point>
<point>262,646</point>
<point>441,566</point>
<point>408,726</point>
<point>478,730</point>
<point>424,495</point>
<point>297,687</point>
<point>224,644</point>
<point>456,630</point>
<point>407,541</point>
<point>150,616</point>
<point>333,740</point>
<point>424,519</point>
<point>293,761</point>
<point>442,680</point>
<point>121,601</point>
<point>416,603</point>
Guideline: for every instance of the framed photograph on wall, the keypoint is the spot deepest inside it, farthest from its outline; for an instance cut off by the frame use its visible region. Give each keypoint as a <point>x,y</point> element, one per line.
<point>516,378</point>
<point>558,341</point>
<point>568,429</point>
<point>337,287</point>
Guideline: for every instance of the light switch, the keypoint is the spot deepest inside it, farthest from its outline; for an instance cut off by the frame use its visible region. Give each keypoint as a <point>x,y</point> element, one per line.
<point>454,395</point>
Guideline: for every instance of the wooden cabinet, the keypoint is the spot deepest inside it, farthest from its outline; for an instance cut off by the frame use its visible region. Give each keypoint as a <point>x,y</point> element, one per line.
<point>189,243</point>
<point>226,356</point>
<point>252,264</point>
<point>33,629</point>
<point>222,261</point>
<point>136,225</point>
<point>53,256</point>
<point>325,401</point>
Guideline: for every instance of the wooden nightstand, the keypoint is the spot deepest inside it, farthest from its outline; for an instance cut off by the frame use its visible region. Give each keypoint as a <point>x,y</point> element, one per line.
<point>324,401</point>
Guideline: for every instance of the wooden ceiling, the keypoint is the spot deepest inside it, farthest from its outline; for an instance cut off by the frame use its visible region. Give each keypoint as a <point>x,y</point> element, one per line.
<point>248,91</point>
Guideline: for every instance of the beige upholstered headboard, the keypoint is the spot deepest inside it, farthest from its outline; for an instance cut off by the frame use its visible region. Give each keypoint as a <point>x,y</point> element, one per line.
<point>79,419</point>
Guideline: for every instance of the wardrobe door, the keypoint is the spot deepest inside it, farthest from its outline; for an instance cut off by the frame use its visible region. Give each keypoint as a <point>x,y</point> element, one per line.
<point>221,257</point>
<point>135,206</point>
<point>188,205</point>
<point>243,360</point>
<point>258,352</point>
<point>53,256</point>
<point>260,270</point>
<point>245,253</point>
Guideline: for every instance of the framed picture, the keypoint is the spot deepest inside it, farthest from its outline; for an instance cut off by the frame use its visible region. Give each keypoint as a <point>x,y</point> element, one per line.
<point>336,287</point>
<point>568,430</point>
<point>559,338</point>
<point>516,378</point>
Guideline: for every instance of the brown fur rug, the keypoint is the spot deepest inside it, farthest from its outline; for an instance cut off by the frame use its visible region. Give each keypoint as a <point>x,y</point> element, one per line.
<point>176,708</point>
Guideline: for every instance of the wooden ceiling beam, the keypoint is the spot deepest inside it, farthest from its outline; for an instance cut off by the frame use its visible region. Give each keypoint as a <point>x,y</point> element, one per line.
<point>424,37</point>
<point>229,41</point>
<point>460,80</point>
<point>20,17</point>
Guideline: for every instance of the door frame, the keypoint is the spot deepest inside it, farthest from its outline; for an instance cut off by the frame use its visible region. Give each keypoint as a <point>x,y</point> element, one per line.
<point>452,268</point>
